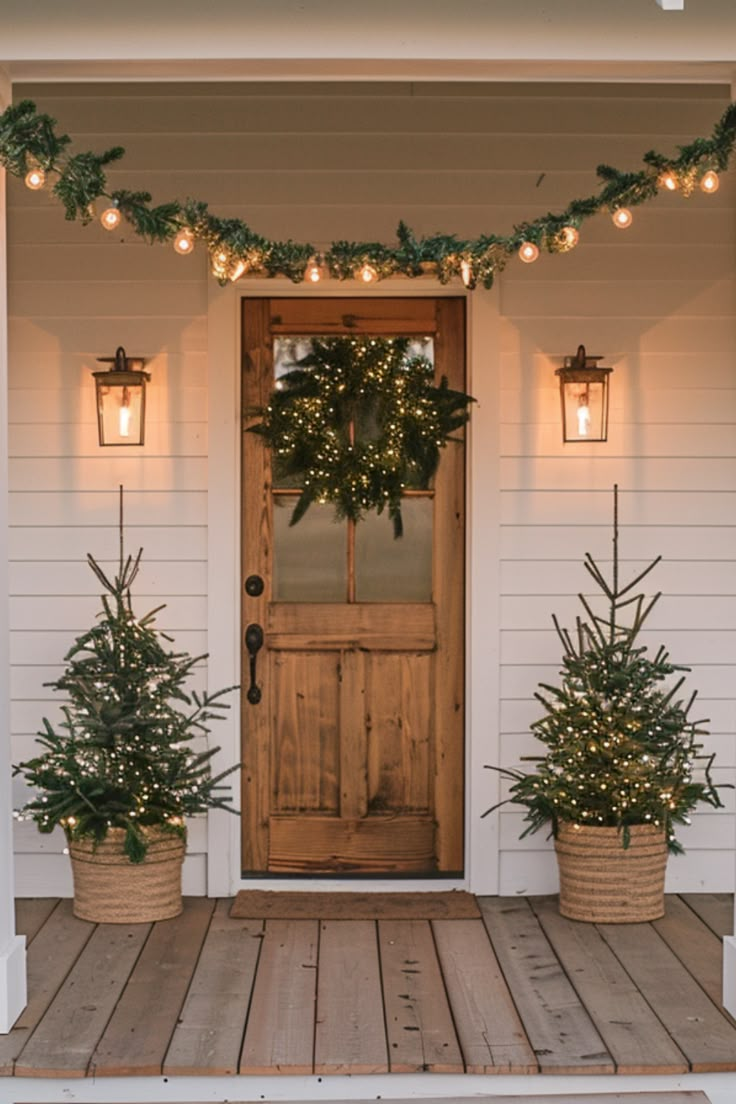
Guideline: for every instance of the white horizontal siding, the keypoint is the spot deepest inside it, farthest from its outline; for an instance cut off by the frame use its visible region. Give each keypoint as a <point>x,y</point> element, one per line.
<point>322,162</point>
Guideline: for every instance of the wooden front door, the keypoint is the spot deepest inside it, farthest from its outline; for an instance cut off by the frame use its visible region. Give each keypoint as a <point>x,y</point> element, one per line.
<point>353,754</point>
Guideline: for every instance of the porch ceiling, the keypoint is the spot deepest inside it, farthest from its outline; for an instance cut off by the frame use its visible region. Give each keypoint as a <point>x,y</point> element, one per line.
<point>383,39</point>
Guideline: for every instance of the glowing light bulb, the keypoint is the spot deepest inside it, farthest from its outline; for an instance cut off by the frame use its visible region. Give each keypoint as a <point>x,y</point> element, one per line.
<point>314,275</point>
<point>622,218</point>
<point>124,416</point>
<point>368,274</point>
<point>221,257</point>
<point>184,242</point>
<point>238,271</point>
<point>111,218</point>
<point>570,237</point>
<point>668,181</point>
<point>466,272</point>
<point>35,179</point>
<point>528,252</point>
<point>710,182</point>
<point>583,413</point>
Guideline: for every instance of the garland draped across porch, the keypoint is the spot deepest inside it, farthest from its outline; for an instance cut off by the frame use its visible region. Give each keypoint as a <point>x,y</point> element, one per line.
<point>29,142</point>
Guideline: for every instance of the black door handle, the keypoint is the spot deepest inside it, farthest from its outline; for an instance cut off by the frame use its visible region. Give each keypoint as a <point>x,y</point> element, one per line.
<point>253,644</point>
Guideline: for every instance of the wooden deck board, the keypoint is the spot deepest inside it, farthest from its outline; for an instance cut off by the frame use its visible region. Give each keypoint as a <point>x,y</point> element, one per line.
<point>63,1042</point>
<point>181,996</point>
<point>491,1035</point>
<point>636,1039</point>
<point>140,1029</point>
<point>31,913</point>
<point>350,1036</point>
<point>421,1036</point>
<point>700,1030</point>
<point>280,1033</point>
<point>51,956</point>
<point>209,1033</point>
<point>559,1028</point>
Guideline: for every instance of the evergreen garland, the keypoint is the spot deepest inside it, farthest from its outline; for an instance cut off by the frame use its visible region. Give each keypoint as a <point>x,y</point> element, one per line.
<point>119,758</point>
<point>621,748</point>
<point>29,139</point>
<point>356,422</point>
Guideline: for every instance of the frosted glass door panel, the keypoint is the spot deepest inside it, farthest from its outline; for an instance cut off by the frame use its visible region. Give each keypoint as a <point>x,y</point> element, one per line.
<point>309,562</point>
<point>389,569</point>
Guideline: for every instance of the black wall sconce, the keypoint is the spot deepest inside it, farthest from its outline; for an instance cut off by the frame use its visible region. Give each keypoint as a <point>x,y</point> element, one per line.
<point>121,399</point>
<point>584,397</point>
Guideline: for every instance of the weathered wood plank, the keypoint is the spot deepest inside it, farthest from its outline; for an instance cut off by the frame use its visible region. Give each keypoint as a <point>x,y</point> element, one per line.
<point>632,1033</point>
<point>559,1028</point>
<point>714,909</point>
<point>350,1035</point>
<point>209,1032</point>
<point>51,956</point>
<point>31,913</point>
<point>701,1032</point>
<point>139,1031</point>
<point>63,1042</point>
<point>421,1036</point>
<point>491,1035</point>
<point>371,844</point>
<point>399,626</point>
<point>698,949</point>
<point>279,1037</point>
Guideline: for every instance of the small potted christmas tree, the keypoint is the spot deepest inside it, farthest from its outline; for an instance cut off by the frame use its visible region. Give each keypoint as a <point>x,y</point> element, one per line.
<point>623,766</point>
<point>118,773</point>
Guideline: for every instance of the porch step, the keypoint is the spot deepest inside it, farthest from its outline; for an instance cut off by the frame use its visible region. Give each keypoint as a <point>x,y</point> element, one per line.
<point>675,1097</point>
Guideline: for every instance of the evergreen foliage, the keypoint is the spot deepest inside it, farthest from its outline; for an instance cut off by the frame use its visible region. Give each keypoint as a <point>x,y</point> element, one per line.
<point>621,748</point>
<point>120,758</point>
<point>356,422</point>
<point>29,139</point>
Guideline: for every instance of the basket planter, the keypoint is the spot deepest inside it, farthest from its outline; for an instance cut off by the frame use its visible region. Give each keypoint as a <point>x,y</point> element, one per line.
<point>110,889</point>
<point>603,882</point>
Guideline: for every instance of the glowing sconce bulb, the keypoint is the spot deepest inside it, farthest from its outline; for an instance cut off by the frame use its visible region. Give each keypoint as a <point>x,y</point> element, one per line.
<point>35,179</point>
<point>583,414</point>
<point>528,252</point>
<point>124,416</point>
<point>111,218</point>
<point>569,237</point>
<point>622,218</point>
<point>184,242</point>
<point>368,274</point>
<point>710,182</point>
<point>668,181</point>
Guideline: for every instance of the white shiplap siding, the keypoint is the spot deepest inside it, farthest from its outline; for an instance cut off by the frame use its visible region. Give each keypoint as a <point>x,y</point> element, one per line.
<point>329,161</point>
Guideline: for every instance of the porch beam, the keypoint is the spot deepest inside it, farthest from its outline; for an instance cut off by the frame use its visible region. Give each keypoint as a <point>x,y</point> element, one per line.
<point>12,946</point>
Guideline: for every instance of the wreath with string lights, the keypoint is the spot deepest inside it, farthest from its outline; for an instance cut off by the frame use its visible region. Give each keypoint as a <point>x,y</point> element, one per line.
<point>358,421</point>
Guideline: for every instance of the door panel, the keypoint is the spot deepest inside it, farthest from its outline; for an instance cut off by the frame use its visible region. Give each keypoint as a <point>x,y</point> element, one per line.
<point>354,755</point>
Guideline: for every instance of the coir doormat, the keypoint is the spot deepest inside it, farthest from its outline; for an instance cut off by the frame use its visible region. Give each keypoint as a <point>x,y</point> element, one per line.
<point>257,904</point>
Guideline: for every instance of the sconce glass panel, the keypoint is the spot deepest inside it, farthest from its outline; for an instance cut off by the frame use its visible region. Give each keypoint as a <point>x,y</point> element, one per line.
<point>121,407</point>
<point>584,401</point>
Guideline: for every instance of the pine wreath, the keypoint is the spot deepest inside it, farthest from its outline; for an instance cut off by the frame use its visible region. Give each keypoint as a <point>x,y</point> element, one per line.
<point>356,422</point>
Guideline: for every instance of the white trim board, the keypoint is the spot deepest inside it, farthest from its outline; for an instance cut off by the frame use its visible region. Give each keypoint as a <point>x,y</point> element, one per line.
<point>482,574</point>
<point>720,1088</point>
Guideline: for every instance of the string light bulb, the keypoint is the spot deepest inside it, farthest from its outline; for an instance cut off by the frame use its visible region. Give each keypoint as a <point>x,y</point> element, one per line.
<point>528,252</point>
<point>466,273</point>
<point>184,241</point>
<point>668,181</point>
<point>368,274</point>
<point>569,237</point>
<point>622,218</point>
<point>710,182</point>
<point>314,272</point>
<point>238,271</point>
<point>35,178</point>
<point>111,217</point>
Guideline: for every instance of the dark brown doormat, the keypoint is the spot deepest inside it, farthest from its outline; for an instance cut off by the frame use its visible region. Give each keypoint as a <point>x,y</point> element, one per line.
<point>257,904</point>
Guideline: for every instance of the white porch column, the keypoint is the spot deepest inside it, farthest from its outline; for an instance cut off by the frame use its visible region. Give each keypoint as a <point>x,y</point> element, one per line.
<point>12,946</point>
<point>729,943</point>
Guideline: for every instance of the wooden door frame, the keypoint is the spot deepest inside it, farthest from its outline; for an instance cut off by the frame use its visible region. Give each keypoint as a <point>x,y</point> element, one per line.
<point>213,865</point>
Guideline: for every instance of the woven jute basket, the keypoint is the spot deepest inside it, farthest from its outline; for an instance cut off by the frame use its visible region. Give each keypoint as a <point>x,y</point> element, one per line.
<point>110,889</point>
<point>605,883</point>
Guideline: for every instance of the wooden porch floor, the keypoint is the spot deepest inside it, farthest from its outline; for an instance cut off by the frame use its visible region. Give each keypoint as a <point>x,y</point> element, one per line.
<point>521,991</point>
